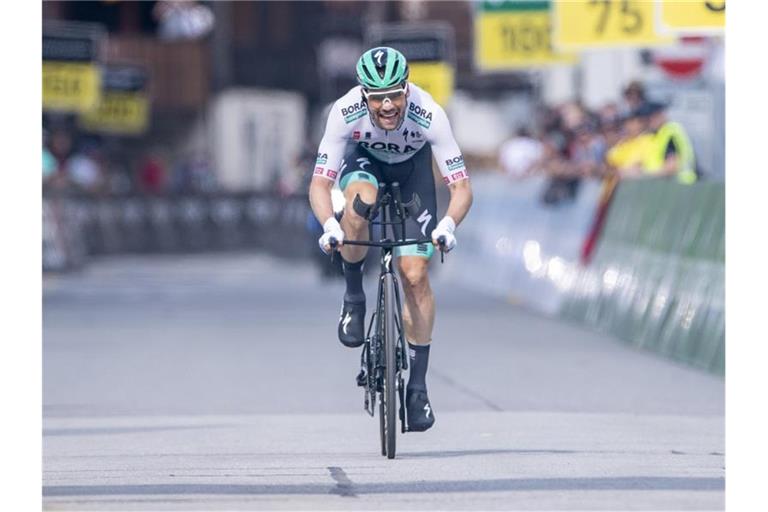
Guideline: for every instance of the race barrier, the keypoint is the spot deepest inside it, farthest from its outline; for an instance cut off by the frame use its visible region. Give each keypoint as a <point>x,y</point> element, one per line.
<point>657,276</point>
<point>515,246</point>
<point>76,226</point>
<point>643,261</point>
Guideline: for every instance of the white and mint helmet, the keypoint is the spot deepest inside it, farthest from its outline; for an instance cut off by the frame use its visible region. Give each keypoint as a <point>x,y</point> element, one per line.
<point>381,68</point>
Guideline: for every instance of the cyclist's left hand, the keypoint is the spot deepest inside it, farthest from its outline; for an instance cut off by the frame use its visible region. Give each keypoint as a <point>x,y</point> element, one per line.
<point>445,228</point>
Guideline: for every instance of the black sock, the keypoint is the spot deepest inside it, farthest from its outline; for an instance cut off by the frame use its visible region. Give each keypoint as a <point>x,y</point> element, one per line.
<point>353,275</point>
<point>419,359</point>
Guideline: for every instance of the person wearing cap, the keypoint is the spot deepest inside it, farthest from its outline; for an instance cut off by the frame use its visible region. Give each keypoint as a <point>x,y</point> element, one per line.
<point>670,152</point>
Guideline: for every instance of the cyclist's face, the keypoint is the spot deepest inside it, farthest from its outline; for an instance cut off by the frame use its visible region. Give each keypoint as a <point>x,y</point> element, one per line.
<point>387,107</point>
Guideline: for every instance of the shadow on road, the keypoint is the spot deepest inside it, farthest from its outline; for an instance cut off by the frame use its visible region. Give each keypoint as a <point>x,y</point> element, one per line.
<point>627,483</point>
<point>462,453</point>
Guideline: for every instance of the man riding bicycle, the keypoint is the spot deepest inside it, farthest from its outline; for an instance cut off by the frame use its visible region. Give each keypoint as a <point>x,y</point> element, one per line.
<point>384,130</point>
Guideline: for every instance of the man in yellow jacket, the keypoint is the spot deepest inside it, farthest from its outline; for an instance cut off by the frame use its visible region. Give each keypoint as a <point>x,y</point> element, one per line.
<point>670,151</point>
<point>628,155</point>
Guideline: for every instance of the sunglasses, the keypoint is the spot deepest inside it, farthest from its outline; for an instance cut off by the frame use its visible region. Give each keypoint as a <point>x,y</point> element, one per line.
<point>380,96</point>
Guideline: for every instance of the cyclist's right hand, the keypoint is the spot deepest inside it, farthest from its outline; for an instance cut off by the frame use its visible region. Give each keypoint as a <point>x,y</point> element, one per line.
<point>332,231</point>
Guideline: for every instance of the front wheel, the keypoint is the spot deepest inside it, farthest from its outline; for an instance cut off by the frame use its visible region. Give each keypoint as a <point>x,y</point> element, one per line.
<point>390,373</point>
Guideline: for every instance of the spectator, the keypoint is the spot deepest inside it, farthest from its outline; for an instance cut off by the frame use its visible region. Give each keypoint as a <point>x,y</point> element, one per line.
<point>671,152</point>
<point>634,97</point>
<point>60,148</point>
<point>152,175</point>
<point>49,162</point>
<point>519,155</point>
<point>627,157</point>
<point>587,151</point>
<point>84,169</point>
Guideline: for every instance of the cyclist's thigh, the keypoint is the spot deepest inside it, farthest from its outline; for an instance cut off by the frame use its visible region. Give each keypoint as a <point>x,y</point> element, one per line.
<point>360,174</point>
<point>422,182</point>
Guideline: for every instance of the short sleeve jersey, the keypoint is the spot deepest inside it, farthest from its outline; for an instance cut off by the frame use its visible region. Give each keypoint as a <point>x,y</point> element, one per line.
<point>425,122</point>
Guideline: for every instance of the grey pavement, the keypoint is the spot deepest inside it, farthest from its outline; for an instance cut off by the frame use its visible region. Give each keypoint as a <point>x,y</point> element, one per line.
<point>215,382</point>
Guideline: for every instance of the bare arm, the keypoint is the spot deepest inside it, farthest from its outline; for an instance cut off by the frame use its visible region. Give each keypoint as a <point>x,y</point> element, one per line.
<point>320,198</point>
<point>461,200</point>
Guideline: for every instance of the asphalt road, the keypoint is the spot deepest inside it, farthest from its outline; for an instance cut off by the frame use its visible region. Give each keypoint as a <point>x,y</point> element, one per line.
<point>216,383</point>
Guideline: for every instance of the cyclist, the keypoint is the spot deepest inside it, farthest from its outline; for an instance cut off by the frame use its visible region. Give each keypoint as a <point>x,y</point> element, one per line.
<point>384,130</point>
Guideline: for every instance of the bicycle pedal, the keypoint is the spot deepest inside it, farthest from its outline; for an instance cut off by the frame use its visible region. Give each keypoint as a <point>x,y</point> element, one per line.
<point>361,378</point>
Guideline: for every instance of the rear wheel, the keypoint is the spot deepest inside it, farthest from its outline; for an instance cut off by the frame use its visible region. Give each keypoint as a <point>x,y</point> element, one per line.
<point>390,373</point>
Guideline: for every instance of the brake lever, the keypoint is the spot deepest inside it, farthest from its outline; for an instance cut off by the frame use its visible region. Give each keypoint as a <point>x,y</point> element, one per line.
<point>333,243</point>
<point>441,245</point>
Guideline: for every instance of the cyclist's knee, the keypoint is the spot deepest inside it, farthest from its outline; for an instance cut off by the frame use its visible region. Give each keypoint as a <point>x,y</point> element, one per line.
<point>413,272</point>
<point>367,193</point>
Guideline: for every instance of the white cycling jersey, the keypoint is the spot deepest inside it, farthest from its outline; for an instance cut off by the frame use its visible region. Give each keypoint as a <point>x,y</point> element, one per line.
<point>424,121</point>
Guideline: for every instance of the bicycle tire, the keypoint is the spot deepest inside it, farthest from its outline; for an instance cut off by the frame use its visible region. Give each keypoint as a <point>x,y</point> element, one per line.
<point>390,373</point>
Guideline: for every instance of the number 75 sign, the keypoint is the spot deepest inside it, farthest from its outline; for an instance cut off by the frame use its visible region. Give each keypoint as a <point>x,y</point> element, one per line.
<point>595,23</point>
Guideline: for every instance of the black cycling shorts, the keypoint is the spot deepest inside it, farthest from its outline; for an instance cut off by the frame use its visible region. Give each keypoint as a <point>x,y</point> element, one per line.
<point>414,176</point>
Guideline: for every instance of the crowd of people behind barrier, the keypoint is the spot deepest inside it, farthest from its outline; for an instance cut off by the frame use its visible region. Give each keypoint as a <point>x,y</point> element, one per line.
<point>626,140</point>
<point>83,164</point>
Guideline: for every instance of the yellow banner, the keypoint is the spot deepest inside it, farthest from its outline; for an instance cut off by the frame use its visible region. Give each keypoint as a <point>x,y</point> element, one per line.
<point>604,23</point>
<point>71,86</point>
<point>693,15</point>
<point>119,112</point>
<point>437,78</point>
<point>515,39</point>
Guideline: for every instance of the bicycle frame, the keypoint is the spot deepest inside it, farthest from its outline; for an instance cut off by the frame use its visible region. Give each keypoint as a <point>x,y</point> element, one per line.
<point>373,358</point>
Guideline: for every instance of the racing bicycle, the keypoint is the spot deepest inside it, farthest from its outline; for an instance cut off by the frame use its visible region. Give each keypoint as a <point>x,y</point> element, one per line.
<point>384,353</point>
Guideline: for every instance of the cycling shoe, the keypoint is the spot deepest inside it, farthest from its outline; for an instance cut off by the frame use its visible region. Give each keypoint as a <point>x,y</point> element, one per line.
<point>420,414</point>
<point>352,324</point>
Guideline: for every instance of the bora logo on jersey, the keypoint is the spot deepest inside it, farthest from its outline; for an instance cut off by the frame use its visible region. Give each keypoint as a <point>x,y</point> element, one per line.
<point>454,163</point>
<point>353,112</point>
<point>419,115</point>
<point>389,147</point>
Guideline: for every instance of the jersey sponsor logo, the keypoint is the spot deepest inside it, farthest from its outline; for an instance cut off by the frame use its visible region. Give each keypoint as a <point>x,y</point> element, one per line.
<point>454,163</point>
<point>389,147</point>
<point>455,177</point>
<point>354,111</point>
<point>424,219</point>
<point>319,170</point>
<point>419,115</point>
<point>331,173</point>
<point>362,162</point>
<point>356,135</point>
<point>322,159</point>
<point>367,135</point>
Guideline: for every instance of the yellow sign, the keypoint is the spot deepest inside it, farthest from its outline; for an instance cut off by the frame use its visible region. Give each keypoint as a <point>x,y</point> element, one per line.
<point>605,23</point>
<point>508,39</point>
<point>119,112</point>
<point>434,77</point>
<point>693,15</point>
<point>71,86</point>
